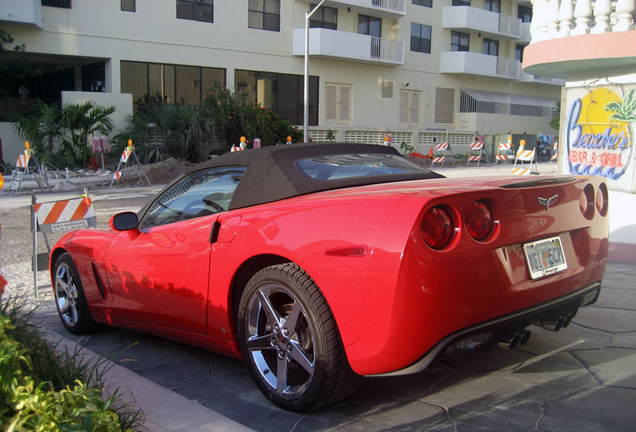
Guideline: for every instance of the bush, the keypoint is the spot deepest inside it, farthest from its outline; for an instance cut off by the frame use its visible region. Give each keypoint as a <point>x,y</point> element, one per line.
<point>42,391</point>
<point>160,131</point>
<point>234,117</point>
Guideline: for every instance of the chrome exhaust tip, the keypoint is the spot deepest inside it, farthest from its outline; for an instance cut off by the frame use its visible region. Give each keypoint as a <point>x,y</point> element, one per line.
<point>511,339</point>
<point>551,322</point>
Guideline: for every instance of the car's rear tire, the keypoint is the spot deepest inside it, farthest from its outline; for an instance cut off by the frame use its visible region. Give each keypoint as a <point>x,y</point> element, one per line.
<point>290,340</point>
<point>70,298</point>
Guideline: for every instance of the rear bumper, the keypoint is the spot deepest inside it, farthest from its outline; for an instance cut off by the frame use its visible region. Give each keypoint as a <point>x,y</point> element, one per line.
<point>484,336</point>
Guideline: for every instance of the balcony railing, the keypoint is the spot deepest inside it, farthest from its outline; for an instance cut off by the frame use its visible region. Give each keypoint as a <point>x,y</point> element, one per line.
<point>472,63</point>
<point>382,8</point>
<point>561,18</point>
<point>349,46</point>
<point>476,20</point>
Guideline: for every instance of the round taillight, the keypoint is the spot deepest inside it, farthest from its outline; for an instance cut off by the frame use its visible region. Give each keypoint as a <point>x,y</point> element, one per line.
<point>602,200</point>
<point>586,201</point>
<point>479,221</point>
<point>437,228</point>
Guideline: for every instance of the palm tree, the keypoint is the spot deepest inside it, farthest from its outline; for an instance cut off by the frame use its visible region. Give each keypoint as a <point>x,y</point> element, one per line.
<point>42,129</point>
<point>80,121</point>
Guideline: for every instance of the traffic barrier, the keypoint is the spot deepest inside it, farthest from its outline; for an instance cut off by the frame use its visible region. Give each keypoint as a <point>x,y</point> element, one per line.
<point>555,152</point>
<point>441,151</point>
<point>23,161</point>
<point>27,166</point>
<point>474,154</point>
<point>504,152</point>
<point>126,155</point>
<point>521,171</point>
<point>57,217</point>
<point>524,158</point>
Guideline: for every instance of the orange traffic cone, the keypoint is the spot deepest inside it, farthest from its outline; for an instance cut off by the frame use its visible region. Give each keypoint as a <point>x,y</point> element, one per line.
<point>430,153</point>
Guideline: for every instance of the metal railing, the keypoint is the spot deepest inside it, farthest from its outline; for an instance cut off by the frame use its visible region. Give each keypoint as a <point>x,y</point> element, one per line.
<point>387,49</point>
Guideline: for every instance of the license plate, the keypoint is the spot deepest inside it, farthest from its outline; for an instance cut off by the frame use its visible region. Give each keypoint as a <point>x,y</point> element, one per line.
<point>545,257</point>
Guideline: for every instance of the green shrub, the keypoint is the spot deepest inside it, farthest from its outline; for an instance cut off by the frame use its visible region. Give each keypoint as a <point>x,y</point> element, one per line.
<point>43,391</point>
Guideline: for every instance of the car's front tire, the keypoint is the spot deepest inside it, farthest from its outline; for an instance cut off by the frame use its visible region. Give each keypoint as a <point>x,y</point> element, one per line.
<point>70,298</point>
<point>290,340</point>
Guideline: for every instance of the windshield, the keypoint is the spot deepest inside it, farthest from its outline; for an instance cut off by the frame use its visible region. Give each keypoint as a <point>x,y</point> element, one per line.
<point>339,166</point>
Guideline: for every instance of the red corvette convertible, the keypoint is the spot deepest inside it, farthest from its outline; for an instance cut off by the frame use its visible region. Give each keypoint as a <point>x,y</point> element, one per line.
<point>320,263</point>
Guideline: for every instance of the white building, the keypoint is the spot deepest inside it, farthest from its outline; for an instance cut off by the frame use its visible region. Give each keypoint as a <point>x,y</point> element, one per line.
<point>422,70</point>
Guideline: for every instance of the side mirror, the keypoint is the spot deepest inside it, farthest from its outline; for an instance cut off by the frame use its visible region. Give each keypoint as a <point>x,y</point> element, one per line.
<point>124,221</point>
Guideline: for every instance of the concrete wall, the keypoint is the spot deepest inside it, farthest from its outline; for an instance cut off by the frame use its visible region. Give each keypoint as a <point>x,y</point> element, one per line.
<point>12,143</point>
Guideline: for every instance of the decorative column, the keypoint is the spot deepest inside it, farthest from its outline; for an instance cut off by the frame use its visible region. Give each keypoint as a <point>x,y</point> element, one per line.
<point>625,10</point>
<point>538,25</point>
<point>552,16</point>
<point>602,11</point>
<point>566,16</point>
<point>583,15</point>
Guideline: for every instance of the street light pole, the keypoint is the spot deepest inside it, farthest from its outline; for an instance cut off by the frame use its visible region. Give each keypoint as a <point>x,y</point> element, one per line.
<point>308,15</point>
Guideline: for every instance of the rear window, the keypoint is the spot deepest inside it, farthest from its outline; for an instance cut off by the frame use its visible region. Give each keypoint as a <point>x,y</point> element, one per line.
<point>340,166</point>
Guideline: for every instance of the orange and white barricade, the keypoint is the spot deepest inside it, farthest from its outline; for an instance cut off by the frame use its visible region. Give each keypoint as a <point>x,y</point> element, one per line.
<point>442,150</point>
<point>28,168</point>
<point>504,152</point>
<point>23,160</point>
<point>555,152</point>
<point>58,217</point>
<point>523,161</point>
<point>475,152</point>
<point>127,155</point>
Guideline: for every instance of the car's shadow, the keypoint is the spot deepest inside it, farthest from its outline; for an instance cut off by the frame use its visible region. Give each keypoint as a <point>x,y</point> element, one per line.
<point>498,390</point>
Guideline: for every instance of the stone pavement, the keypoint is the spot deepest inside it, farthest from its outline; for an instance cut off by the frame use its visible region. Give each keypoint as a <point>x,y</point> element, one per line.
<point>581,379</point>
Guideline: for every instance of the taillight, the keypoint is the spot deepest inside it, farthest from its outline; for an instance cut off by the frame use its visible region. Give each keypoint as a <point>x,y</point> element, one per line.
<point>479,220</point>
<point>586,201</point>
<point>602,200</point>
<point>437,227</point>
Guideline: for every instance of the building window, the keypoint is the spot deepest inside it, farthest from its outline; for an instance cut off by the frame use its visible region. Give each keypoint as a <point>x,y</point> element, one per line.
<point>65,4</point>
<point>128,5</point>
<point>490,47</point>
<point>519,52</point>
<point>461,3</point>
<point>409,108</point>
<point>338,101</point>
<point>94,77</point>
<point>197,10</point>
<point>427,3</point>
<point>264,14</point>
<point>371,26</point>
<point>169,83</point>
<point>459,41</point>
<point>493,5</point>
<point>421,38</point>
<point>325,17</point>
<point>281,93</point>
<point>524,13</point>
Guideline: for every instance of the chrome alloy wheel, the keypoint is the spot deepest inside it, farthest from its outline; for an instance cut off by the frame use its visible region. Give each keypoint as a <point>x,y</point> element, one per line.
<point>66,295</point>
<point>280,340</point>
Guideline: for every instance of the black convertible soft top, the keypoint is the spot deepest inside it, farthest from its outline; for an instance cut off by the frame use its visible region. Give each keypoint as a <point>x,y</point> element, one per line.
<point>272,172</point>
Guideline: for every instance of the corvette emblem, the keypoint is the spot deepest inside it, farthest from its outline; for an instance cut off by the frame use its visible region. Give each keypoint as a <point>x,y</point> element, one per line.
<point>547,202</point>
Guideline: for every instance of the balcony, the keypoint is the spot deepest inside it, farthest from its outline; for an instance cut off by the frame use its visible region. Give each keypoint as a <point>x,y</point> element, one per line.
<point>525,32</point>
<point>340,45</point>
<point>379,8</point>
<point>580,39</point>
<point>27,12</point>
<point>472,63</point>
<point>470,19</point>
<point>529,78</point>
